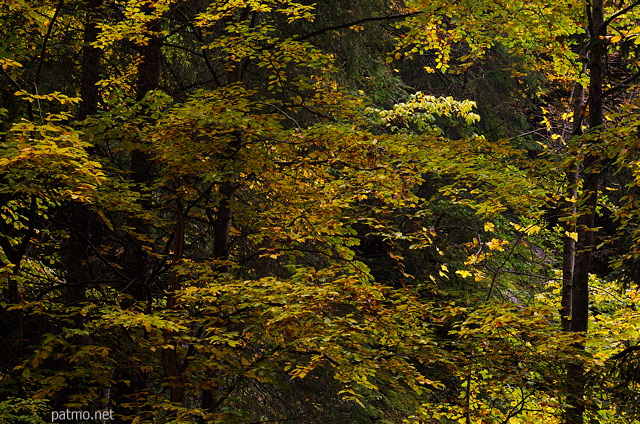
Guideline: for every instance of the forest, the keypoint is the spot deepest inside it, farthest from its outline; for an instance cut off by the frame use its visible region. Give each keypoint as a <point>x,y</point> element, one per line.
<point>286,211</point>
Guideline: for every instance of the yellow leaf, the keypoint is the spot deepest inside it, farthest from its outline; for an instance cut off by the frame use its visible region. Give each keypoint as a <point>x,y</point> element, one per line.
<point>534,229</point>
<point>463,273</point>
<point>488,226</point>
<point>573,235</point>
<point>496,244</point>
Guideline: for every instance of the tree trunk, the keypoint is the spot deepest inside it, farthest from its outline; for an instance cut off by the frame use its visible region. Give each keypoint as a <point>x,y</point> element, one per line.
<point>222,226</point>
<point>211,397</point>
<point>81,223</point>
<point>568,252</point>
<point>172,368</point>
<point>573,176</point>
<point>15,252</point>
<point>148,79</point>
<point>141,164</point>
<point>579,321</point>
<point>90,63</point>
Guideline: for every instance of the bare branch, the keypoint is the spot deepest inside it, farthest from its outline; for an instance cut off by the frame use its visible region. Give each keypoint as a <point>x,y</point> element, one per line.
<point>46,40</point>
<point>350,24</point>
<point>619,13</point>
<point>624,83</point>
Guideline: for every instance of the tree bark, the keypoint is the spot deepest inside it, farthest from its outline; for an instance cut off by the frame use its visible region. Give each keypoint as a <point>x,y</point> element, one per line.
<point>578,105</point>
<point>91,62</point>
<point>15,253</point>
<point>80,221</point>
<point>212,397</point>
<point>172,368</point>
<point>141,164</point>
<point>222,226</point>
<point>579,322</point>
<point>568,252</point>
<point>148,79</point>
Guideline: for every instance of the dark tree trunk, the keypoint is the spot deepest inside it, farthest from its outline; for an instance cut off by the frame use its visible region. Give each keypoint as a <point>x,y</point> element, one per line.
<point>137,262</point>
<point>172,368</point>
<point>14,328</point>
<point>212,397</point>
<point>141,168</point>
<point>573,176</point>
<point>579,321</point>
<point>222,225</point>
<point>91,62</point>
<point>568,253</point>
<point>80,222</point>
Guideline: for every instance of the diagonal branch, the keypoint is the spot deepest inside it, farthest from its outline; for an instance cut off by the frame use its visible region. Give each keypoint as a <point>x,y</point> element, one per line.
<point>621,85</point>
<point>350,24</point>
<point>619,13</point>
<point>46,40</point>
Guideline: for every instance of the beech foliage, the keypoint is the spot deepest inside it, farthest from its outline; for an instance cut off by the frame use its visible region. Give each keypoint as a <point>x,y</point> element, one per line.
<point>283,211</point>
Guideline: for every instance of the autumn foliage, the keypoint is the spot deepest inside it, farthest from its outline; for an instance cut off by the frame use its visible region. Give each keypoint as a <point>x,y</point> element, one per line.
<point>277,211</point>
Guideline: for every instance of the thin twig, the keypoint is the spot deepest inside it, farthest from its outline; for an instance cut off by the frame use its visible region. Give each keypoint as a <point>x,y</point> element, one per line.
<point>46,40</point>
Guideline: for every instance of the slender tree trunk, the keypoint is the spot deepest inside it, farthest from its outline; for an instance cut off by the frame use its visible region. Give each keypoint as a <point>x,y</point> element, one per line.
<point>81,224</point>
<point>172,368</point>
<point>568,252</point>
<point>579,322</point>
<point>141,166</point>
<point>578,106</point>
<point>90,63</point>
<point>15,253</point>
<point>222,225</point>
<point>212,398</point>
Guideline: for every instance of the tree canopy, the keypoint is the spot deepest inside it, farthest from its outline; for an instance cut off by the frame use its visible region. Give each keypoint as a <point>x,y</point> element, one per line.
<point>282,211</point>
